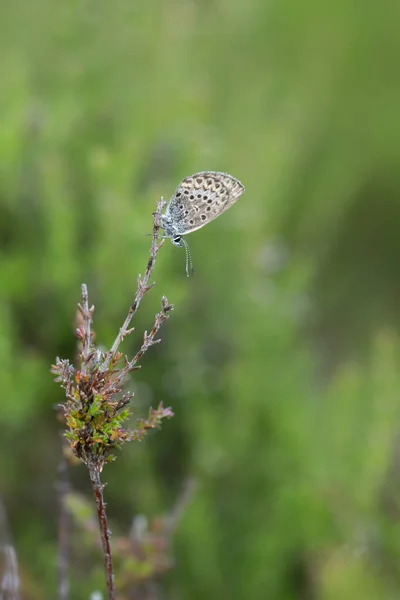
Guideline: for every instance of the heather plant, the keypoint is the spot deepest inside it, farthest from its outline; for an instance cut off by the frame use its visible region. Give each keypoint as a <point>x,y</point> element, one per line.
<point>96,408</point>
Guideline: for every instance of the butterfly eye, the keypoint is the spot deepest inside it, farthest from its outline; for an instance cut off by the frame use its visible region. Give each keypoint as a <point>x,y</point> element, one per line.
<point>209,201</point>
<point>192,197</point>
<point>203,217</point>
<point>178,194</point>
<point>186,192</point>
<point>191,221</point>
<point>205,198</point>
<point>181,206</point>
<point>208,208</point>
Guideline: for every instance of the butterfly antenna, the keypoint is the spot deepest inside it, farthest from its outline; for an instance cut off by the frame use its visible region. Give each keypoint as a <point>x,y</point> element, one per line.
<point>189,261</point>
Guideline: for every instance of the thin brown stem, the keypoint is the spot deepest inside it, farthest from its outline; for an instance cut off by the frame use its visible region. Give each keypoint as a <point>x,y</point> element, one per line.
<point>86,335</point>
<point>63,529</point>
<point>10,583</point>
<point>148,340</point>
<point>180,506</point>
<point>143,287</point>
<point>104,532</point>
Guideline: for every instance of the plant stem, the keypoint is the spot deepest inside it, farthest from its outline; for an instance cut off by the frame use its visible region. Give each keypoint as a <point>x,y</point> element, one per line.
<point>63,530</point>
<point>104,532</point>
<point>143,287</point>
<point>86,314</point>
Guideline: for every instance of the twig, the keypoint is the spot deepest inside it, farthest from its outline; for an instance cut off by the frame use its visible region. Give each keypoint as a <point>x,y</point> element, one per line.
<point>143,287</point>
<point>148,340</point>
<point>63,529</point>
<point>181,504</point>
<point>84,332</point>
<point>9,578</point>
<point>104,532</point>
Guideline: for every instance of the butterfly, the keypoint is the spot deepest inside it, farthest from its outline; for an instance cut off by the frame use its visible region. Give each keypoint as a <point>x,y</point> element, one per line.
<point>198,200</point>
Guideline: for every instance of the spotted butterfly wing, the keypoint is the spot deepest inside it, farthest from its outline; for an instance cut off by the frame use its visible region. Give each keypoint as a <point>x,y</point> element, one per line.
<point>199,199</point>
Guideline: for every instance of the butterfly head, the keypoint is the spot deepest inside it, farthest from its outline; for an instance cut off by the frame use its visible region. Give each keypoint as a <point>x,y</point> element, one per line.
<point>177,240</point>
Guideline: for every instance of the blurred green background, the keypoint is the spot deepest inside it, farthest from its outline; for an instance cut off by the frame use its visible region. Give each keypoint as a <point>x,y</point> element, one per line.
<point>281,360</point>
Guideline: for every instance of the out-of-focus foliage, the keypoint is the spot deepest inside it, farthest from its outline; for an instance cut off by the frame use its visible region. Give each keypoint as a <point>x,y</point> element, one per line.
<point>281,360</point>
